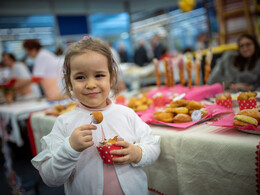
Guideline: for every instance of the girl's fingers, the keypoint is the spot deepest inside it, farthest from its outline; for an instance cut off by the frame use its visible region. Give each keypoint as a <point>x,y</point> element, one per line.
<point>87,127</point>
<point>122,143</point>
<point>87,138</point>
<point>121,160</point>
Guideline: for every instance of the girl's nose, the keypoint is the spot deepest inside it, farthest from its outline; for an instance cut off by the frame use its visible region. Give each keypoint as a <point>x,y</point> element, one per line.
<point>91,83</point>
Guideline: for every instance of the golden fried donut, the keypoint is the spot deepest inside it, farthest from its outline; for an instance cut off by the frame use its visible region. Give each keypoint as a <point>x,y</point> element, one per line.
<point>246,120</point>
<point>97,116</point>
<point>242,96</point>
<point>179,103</point>
<point>132,102</point>
<point>182,118</point>
<point>180,110</point>
<point>204,112</point>
<point>251,94</point>
<point>251,112</point>
<point>193,105</point>
<point>141,107</point>
<point>163,116</point>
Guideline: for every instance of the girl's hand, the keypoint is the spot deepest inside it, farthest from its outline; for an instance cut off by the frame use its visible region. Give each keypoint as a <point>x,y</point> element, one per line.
<point>130,152</point>
<point>81,137</point>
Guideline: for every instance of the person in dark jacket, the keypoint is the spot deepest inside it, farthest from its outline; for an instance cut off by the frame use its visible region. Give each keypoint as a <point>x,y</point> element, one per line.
<point>140,55</point>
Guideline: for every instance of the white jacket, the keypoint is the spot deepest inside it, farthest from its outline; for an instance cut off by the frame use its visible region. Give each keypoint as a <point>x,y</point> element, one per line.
<point>82,172</point>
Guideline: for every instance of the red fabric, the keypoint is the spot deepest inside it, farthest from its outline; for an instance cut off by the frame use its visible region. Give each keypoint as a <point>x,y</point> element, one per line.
<point>31,136</point>
<point>258,169</point>
<point>36,79</point>
<point>226,103</point>
<point>104,152</point>
<point>247,104</point>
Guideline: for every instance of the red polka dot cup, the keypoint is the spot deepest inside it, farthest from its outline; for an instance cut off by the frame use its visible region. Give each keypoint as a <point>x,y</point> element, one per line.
<point>104,152</point>
<point>159,100</point>
<point>227,103</point>
<point>247,104</point>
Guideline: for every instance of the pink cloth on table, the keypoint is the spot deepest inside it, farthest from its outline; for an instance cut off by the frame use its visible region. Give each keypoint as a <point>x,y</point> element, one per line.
<point>213,110</point>
<point>228,122</point>
<point>196,93</point>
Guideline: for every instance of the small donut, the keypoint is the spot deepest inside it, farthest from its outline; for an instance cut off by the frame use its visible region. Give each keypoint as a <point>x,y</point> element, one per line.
<point>163,116</point>
<point>182,118</point>
<point>97,117</point>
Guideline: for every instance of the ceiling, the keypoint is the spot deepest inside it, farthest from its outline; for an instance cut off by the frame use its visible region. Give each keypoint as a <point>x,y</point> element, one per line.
<point>25,7</point>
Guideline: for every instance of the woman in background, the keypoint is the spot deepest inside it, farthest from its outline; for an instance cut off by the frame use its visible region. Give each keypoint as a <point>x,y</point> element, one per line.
<point>241,68</point>
<point>21,73</point>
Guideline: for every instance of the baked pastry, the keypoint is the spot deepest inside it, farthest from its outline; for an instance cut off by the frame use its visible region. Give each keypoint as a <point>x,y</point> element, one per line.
<point>242,120</point>
<point>193,105</point>
<point>250,112</point>
<point>242,96</point>
<point>179,103</point>
<point>97,117</point>
<point>251,94</point>
<point>204,112</point>
<point>166,117</point>
<point>182,118</point>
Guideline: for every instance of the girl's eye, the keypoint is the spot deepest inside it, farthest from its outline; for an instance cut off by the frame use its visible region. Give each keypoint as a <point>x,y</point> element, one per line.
<point>100,75</point>
<point>79,78</point>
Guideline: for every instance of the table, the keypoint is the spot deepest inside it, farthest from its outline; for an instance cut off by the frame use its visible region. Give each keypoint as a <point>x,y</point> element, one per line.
<point>19,111</point>
<point>202,159</point>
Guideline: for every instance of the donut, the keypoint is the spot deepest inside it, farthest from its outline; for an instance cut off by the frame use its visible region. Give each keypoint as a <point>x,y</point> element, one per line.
<point>97,117</point>
<point>179,103</point>
<point>182,118</point>
<point>193,105</point>
<point>163,116</point>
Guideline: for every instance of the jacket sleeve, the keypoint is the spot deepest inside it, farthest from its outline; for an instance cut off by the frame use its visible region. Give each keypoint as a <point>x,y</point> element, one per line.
<point>220,73</point>
<point>57,160</point>
<point>149,143</point>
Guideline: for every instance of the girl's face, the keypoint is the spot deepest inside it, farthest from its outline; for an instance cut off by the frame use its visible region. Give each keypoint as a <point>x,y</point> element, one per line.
<point>246,47</point>
<point>90,79</point>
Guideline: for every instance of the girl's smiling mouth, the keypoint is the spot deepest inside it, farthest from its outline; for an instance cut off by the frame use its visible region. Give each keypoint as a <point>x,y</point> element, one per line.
<point>92,94</point>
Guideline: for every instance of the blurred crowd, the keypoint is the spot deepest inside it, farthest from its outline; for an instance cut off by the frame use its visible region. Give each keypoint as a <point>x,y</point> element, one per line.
<point>240,68</point>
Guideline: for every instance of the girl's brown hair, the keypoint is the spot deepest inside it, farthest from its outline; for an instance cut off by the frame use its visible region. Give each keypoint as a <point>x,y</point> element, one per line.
<point>82,46</point>
<point>240,62</point>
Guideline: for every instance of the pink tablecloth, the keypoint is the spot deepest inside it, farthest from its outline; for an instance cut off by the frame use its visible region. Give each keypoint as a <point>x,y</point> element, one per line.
<point>196,93</point>
<point>228,122</point>
<point>213,110</point>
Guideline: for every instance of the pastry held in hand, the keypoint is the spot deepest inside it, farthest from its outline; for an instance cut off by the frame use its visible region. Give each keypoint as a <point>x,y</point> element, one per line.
<point>105,147</point>
<point>97,117</point>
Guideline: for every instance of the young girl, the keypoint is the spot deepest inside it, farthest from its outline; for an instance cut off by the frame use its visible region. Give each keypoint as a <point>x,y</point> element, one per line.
<point>69,154</point>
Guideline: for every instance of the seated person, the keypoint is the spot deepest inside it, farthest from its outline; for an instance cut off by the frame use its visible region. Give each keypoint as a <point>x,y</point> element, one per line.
<point>241,68</point>
<point>20,72</point>
<point>46,67</point>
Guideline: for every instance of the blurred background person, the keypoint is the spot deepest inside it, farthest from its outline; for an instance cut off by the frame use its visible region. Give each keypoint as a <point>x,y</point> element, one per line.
<point>122,53</point>
<point>46,68</point>
<point>202,41</point>
<point>157,47</point>
<point>242,67</point>
<point>21,73</point>
<point>114,53</point>
<point>140,54</point>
